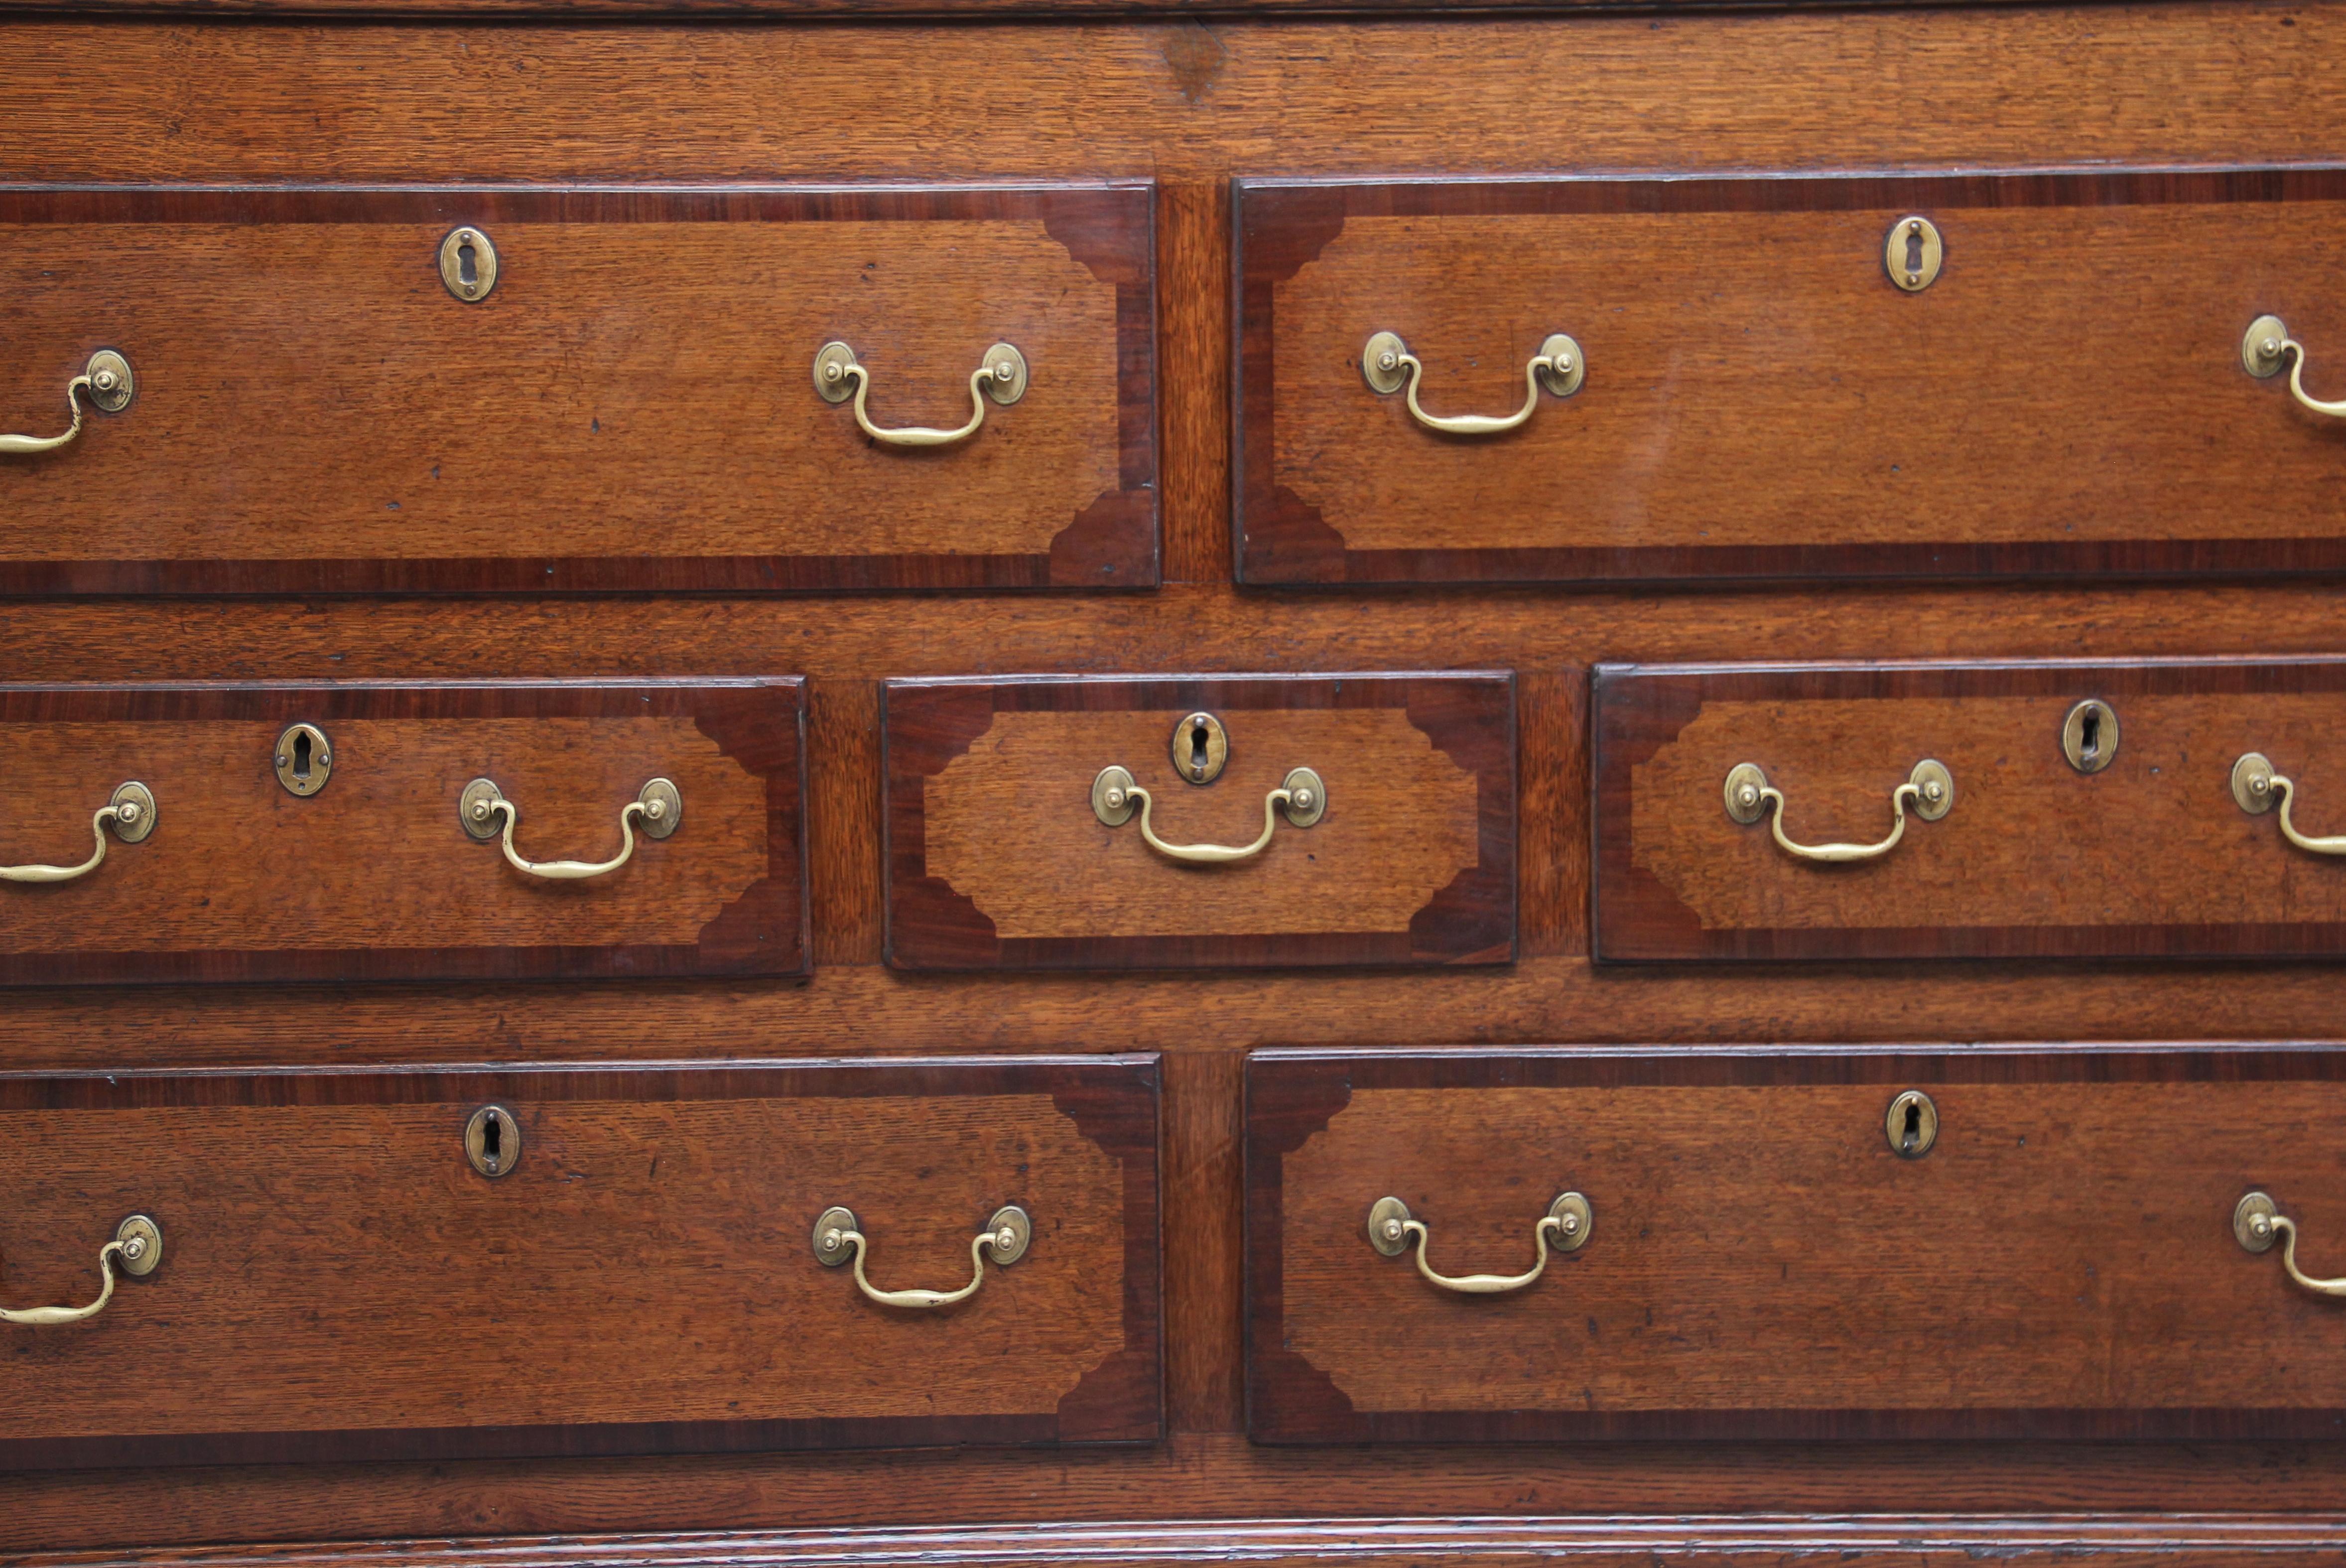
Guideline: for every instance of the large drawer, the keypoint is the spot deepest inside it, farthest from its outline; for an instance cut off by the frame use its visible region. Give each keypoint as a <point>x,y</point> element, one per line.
<point>403,831</point>
<point>1156,822</point>
<point>2101,810</point>
<point>631,398</point>
<point>1764,1245</point>
<point>1758,395</point>
<point>643,1272</point>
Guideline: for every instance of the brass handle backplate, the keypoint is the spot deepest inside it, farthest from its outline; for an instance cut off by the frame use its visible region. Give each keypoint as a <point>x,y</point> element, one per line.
<point>109,384</point>
<point>2267,346</point>
<point>1300,795</point>
<point>659,808</point>
<point>1930,788</point>
<point>838,1240</point>
<point>131,810</point>
<point>2257,1222</point>
<point>1568,1219</point>
<point>138,1245</point>
<point>1001,376</point>
<point>1390,367</point>
<point>2256,788</point>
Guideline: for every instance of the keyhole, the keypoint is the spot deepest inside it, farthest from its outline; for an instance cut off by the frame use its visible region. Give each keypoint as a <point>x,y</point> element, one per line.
<point>2089,734</point>
<point>301,758</point>
<point>468,267</point>
<point>1913,251</point>
<point>493,1139</point>
<point>1913,1133</point>
<point>1198,750</point>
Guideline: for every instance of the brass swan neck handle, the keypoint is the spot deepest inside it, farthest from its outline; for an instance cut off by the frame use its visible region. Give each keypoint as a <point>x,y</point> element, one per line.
<point>1300,795</point>
<point>1390,367</point>
<point>659,807</point>
<point>838,1239</point>
<point>107,379</point>
<point>2267,347</point>
<point>1569,1220</point>
<point>137,1245</point>
<point>2257,789</point>
<point>131,810</point>
<point>1930,789</point>
<point>1000,376</point>
<point>2257,1222</point>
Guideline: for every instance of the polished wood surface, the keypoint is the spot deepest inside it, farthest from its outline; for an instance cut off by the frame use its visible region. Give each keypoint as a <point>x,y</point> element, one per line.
<point>1762,1262</point>
<point>374,875</point>
<point>1192,103</point>
<point>338,1282</point>
<point>998,860</point>
<point>2149,855</point>
<point>1763,400</point>
<point>632,405</point>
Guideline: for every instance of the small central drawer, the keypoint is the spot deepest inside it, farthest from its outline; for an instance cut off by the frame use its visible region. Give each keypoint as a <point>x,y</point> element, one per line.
<point>393,830</point>
<point>1790,376</point>
<point>1482,1246</point>
<point>517,389</point>
<point>1179,822</point>
<point>341,1265</point>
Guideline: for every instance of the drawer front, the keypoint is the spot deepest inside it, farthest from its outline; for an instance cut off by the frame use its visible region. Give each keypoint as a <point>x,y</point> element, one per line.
<point>386,859</point>
<point>1011,844</point>
<point>631,403</point>
<point>1759,1261</point>
<point>2067,394</point>
<point>338,1281</point>
<point>2142,848</point>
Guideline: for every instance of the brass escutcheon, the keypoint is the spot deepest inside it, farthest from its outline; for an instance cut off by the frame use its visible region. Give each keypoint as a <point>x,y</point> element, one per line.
<point>468,265</point>
<point>1200,749</point>
<point>1911,253</point>
<point>492,1141</point>
<point>1912,1124</point>
<point>2089,736</point>
<point>303,759</point>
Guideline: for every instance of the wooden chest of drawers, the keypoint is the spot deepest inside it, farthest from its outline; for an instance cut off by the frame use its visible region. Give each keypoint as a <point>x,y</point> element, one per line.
<point>1050,781</point>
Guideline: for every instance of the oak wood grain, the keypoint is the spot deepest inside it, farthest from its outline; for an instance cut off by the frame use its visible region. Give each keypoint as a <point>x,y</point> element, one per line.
<point>1761,1261</point>
<point>631,406</point>
<point>2149,855</point>
<point>338,1282</point>
<point>373,876</point>
<point>1763,400</point>
<point>996,858</point>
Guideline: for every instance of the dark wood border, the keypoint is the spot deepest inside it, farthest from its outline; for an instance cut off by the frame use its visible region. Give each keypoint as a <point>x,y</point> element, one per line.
<point>1291,1094</point>
<point>1617,1541</point>
<point>1635,709</point>
<point>1111,1099</point>
<point>1108,226</point>
<point>1467,714</point>
<point>1279,224</point>
<point>758,721</point>
<point>928,10</point>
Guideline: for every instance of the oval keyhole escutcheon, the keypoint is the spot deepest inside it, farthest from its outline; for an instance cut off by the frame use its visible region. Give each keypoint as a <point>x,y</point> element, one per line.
<point>1201,747</point>
<point>492,1141</point>
<point>468,265</point>
<point>304,759</point>
<point>1912,253</point>
<point>1912,1124</point>
<point>2089,736</point>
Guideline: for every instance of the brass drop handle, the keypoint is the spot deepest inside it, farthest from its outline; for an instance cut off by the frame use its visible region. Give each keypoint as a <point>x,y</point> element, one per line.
<point>131,809</point>
<point>108,380</point>
<point>2257,1221</point>
<point>2262,351</point>
<point>659,807</point>
<point>1930,789</point>
<point>2256,786</point>
<point>1006,1235</point>
<point>1001,375</point>
<point>138,1245</point>
<point>1389,366</point>
<point>1300,795</point>
<point>1568,1219</point>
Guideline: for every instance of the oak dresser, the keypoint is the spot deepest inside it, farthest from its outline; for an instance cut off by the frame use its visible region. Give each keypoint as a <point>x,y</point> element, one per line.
<point>1031,782</point>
